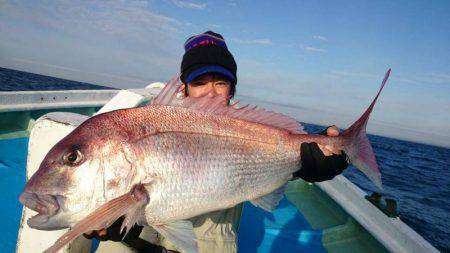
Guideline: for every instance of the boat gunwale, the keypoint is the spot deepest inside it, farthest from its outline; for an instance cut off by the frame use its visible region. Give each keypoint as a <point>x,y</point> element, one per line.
<point>16,101</point>
<point>391,232</point>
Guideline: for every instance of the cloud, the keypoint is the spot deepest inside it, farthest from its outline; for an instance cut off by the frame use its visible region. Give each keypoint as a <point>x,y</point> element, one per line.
<point>263,41</point>
<point>318,37</point>
<point>125,38</point>
<point>232,3</point>
<point>127,18</point>
<point>426,78</point>
<point>189,5</point>
<point>44,64</point>
<point>416,79</point>
<point>79,71</point>
<point>313,49</point>
<point>350,74</point>
<point>255,41</point>
<point>215,26</point>
<point>438,78</point>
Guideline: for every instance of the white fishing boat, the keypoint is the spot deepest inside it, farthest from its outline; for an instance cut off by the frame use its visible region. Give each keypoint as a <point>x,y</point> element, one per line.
<point>336,216</point>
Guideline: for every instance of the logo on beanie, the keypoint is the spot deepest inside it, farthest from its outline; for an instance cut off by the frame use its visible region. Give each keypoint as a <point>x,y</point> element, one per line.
<point>203,39</point>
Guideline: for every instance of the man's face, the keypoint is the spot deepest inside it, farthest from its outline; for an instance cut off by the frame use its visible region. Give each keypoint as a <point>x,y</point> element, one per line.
<point>209,85</point>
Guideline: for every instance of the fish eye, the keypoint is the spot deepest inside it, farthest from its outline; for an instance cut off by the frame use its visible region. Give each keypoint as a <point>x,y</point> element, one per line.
<point>73,157</point>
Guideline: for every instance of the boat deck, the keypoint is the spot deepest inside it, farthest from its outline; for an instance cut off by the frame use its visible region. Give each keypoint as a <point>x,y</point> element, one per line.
<point>13,158</point>
<point>307,220</point>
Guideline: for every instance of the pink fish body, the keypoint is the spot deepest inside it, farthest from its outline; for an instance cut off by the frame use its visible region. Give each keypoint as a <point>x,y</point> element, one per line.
<point>172,160</point>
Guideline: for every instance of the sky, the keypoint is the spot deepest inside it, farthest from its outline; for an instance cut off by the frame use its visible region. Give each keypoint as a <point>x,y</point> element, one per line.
<point>318,61</point>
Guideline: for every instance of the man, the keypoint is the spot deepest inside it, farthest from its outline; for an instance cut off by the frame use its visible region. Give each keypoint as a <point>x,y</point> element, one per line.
<point>209,69</point>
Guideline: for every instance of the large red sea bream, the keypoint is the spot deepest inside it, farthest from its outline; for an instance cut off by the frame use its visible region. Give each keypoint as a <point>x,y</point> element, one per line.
<point>174,159</point>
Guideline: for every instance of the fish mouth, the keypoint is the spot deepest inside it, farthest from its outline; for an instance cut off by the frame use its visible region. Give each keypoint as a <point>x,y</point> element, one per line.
<point>45,205</point>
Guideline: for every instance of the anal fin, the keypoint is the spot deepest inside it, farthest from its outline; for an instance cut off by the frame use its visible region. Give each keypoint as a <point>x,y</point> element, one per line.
<point>270,201</point>
<point>181,234</point>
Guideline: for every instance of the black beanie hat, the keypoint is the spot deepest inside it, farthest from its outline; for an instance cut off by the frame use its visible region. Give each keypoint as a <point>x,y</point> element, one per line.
<point>207,53</point>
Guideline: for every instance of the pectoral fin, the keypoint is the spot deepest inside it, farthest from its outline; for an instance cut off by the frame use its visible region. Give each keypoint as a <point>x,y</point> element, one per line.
<point>181,234</point>
<point>270,201</point>
<point>128,205</point>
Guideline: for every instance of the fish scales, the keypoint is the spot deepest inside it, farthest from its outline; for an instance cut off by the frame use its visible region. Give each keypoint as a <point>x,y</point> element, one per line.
<point>175,159</point>
<point>210,164</point>
<point>233,171</point>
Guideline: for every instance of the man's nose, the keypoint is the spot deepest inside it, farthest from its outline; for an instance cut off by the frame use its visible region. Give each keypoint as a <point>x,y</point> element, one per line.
<point>211,93</point>
<point>211,90</point>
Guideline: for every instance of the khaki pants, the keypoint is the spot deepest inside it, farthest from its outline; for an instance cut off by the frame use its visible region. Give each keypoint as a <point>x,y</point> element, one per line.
<point>215,231</point>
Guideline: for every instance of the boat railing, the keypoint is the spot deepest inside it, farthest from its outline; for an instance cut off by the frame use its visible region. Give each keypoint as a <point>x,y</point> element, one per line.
<point>41,100</point>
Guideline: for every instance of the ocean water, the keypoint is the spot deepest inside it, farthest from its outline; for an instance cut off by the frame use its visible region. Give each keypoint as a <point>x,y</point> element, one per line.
<point>18,80</point>
<point>417,176</point>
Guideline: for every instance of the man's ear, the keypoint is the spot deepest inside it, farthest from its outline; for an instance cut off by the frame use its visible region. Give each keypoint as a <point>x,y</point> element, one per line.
<point>183,89</point>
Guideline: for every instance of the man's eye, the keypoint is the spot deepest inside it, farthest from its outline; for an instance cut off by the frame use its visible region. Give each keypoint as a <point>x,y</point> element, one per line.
<point>197,84</point>
<point>222,84</point>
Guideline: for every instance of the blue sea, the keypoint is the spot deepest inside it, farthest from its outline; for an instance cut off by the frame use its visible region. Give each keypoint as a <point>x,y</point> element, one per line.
<point>14,80</point>
<point>416,175</point>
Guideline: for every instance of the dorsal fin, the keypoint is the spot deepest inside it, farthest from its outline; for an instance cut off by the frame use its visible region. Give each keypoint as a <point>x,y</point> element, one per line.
<point>215,105</point>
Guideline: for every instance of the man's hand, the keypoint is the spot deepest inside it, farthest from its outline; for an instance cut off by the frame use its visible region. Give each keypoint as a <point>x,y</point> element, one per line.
<point>113,232</point>
<point>318,162</point>
<point>330,131</point>
<point>99,234</point>
<point>132,239</point>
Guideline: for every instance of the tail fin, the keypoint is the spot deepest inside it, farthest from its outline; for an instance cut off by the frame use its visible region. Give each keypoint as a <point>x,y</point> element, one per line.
<point>359,151</point>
